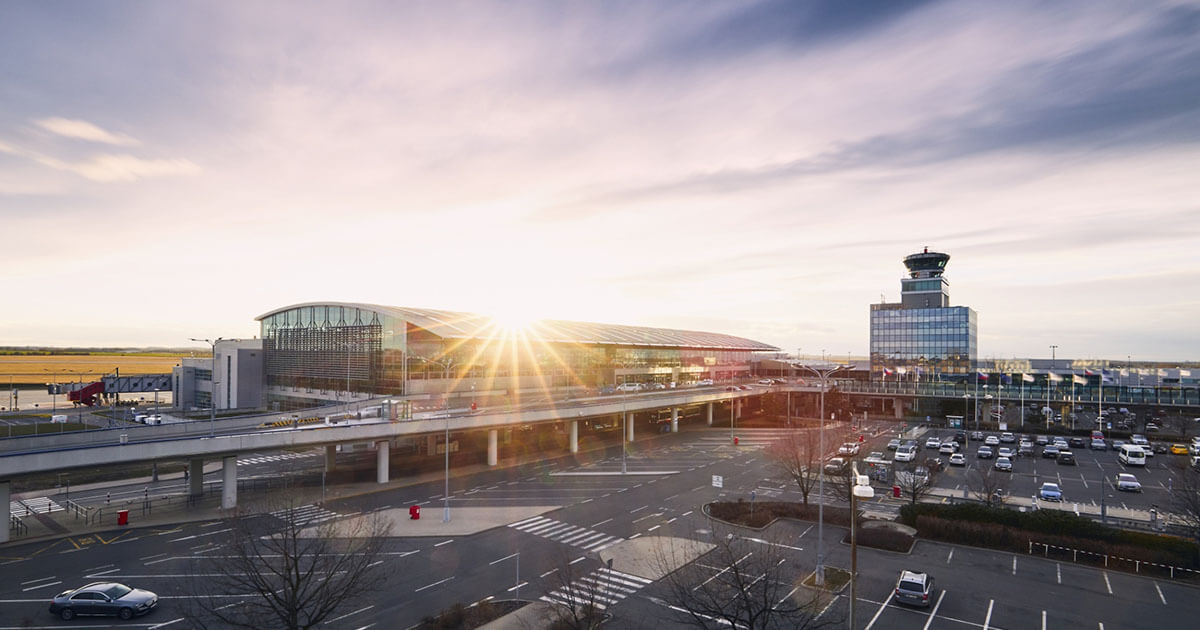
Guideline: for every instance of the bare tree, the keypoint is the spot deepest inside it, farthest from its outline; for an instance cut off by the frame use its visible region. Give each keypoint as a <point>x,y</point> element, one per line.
<point>1185,496</point>
<point>917,481</point>
<point>988,485</point>
<point>293,575</point>
<point>743,583</point>
<point>841,481</point>
<point>798,459</point>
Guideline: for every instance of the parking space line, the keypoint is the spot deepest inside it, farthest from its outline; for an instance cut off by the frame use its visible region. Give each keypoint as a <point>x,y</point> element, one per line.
<point>880,611</point>
<point>1043,620</point>
<point>1160,594</point>
<point>933,613</point>
<point>1014,565</point>
<point>1058,570</point>
<point>988,620</point>
<point>948,557</point>
<point>1108,585</point>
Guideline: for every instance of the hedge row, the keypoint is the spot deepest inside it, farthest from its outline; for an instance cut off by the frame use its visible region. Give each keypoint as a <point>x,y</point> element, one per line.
<point>1002,528</point>
<point>764,512</point>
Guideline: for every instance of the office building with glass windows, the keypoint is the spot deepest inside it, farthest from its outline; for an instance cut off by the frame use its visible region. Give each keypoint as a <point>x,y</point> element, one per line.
<point>322,352</point>
<point>922,337</point>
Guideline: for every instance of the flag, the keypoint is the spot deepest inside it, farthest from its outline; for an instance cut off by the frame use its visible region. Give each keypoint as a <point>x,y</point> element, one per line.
<point>1124,372</point>
<point>1106,377</point>
<point>1079,379</point>
<point>1028,378</point>
<point>1089,372</point>
<point>1055,378</point>
<point>981,376</point>
<point>887,372</point>
<point>1006,379</point>
<point>1183,373</point>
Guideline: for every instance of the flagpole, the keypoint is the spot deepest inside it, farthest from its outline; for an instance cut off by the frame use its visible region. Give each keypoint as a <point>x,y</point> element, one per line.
<point>1022,401</point>
<point>1073,401</point>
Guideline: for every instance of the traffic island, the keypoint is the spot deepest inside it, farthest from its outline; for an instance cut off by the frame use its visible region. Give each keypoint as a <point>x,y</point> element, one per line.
<point>836,579</point>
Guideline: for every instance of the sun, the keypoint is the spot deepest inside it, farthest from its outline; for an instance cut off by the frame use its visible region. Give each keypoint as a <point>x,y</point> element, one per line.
<point>513,320</point>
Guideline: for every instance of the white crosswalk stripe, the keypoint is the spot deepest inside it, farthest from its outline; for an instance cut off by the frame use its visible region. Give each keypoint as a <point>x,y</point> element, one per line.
<point>40,505</point>
<point>263,459</point>
<point>601,588</point>
<point>558,531</point>
<point>308,514</point>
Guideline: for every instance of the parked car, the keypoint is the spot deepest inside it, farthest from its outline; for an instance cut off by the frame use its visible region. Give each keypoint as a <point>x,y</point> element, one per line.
<point>948,448</point>
<point>1026,449</point>
<point>1066,458</point>
<point>977,435</point>
<point>1139,439</point>
<point>1003,464</point>
<point>765,381</point>
<point>906,453</point>
<point>1179,449</point>
<point>1049,451</point>
<point>876,456</point>
<point>933,442</point>
<point>1008,438</point>
<point>991,440</point>
<point>893,445</point>
<point>984,452</point>
<point>629,387</point>
<point>849,448</point>
<point>960,437</point>
<point>958,459</point>
<point>103,599</point>
<point>1050,492</point>
<point>1151,427</point>
<point>1042,440</point>
<point>1099,445</point>
<point>704,382</point>
<point>1076,442</point>
<point>1160,448</point>
<point>835,466</point>
<point>1128,483</point>
<point>914,588</point>
<point>1005,452</point>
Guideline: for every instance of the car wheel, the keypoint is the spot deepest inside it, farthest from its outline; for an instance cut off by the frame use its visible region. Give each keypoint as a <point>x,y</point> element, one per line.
<point>67,614</point>
<point>125,613</point>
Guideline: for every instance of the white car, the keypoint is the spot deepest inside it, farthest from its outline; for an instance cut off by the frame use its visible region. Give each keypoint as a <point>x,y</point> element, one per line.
<point>933,443</point>
<point>991,440</point>
<point>707,382</point>
<point>629,387</point>
<point>849,448</point>
<point>958,459</point>
<point>1004,452</point>
<point>906,453</point>
<point>948,448</point>
<point>765,381</point>
<point>1128,483</point>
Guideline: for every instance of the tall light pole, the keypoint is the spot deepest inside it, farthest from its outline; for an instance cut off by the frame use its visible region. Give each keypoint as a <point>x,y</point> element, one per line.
<point>862,490</point>
<point>212,399</point>
<point>823,375</point>
<point>1050,382</point>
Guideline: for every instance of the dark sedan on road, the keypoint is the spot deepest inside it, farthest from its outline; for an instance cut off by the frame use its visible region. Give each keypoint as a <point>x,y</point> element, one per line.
<point>1050,451</point>
<point>103,599</point>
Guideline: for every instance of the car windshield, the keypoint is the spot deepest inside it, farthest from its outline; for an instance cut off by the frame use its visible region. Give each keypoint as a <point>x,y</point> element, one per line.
<point>117,591</point>
<point>909,585</point>
<point>1127,478</point>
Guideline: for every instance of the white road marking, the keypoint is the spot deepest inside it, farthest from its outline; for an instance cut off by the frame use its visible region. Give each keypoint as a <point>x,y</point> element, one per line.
<point>103,573</point>
<point>1107,585</point>
<point>364,608</point>
<point>689,512</point>
<point>444,542</point>
<point>638,509</point>
<point>511,555</point>
<point>654,528</point>
<point>52,577</point>
<point>948,557</point>
<point>579,559</point>
<point>513,588</point>
<point>880,611</point>
<point>41,586</point>
<point>165,623</point>
<point>935,609</point>
<point>1014,565</point>
<point>546,573</point>
<point>434,584</point>
<point>1160,594</point>
<point>987,620</point>
<point>1058,569</point>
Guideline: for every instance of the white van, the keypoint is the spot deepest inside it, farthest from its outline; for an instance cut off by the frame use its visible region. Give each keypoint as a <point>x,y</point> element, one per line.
<point>1131,455</point>
<point>906,453</point>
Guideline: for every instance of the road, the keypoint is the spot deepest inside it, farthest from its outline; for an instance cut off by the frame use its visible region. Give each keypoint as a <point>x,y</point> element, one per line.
<point>601,509</point>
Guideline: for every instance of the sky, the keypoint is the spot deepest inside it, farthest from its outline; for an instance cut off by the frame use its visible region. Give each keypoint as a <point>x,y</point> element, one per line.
<point>171,170</point>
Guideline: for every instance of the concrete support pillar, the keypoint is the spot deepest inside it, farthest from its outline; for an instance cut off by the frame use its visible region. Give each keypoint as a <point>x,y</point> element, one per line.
<point>196,477</point>
<point>573,436</point>
<point>5,496</point>
<point>493,447</point>
<point>382,448</point>
<point>431,445</point>
<point>709,413</point>
<point>229,487</point>
<point>629,423</point>
<point>674,419</point>
<point>898,405</point>
<point>331,457</point>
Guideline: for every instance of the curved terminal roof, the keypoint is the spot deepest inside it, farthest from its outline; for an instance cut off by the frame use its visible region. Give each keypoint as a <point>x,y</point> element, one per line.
<point>455,325</point>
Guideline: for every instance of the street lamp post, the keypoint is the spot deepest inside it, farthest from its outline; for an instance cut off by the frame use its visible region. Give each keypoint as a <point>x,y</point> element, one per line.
<point>212,399</point>
<point>862,490</point>
<point>824,377</point>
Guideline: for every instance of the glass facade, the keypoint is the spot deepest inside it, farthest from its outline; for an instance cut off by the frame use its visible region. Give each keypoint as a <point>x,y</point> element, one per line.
<point>380,350</point>
<point>922,341</point>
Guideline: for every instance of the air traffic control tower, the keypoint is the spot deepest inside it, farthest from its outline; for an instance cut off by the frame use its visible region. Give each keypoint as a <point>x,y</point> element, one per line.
<point>922,337</point>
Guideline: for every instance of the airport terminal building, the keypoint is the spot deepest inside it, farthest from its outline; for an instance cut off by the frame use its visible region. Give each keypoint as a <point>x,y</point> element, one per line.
<point>325,352</point>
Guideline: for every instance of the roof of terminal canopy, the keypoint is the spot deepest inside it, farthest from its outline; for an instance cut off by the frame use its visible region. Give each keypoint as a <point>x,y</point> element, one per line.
<point>456,325</point>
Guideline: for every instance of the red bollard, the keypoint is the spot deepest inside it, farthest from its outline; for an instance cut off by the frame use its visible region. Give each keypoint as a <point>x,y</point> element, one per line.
<point>735,441</point>
<point>414,512</point>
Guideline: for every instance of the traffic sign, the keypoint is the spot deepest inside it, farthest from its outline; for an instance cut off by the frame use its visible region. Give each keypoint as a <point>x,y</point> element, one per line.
<point>718,481</point>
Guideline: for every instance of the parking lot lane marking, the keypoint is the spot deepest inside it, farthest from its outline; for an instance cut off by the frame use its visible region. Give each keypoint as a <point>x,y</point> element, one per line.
<point>880,611</point>
<point>949,556</point>
<point>801,533</point>
<point>654,528</point>
<point>434,584</point>
<point>45,579</point>
<point>1160,594</point>
<point>671,520</point>
<point>1108,585</point>
<point>1014,565</point>
<point>1101,625</point>
<point>987,621</point>
<point>542,576</point>
<point>105,572</point>
<point>689,512</point>
<point>1085,483</point>
<point>933,613</point>
<point>1043,620</point>
<point>164,624</point>
<point>638,509</point>
<point>1058,569</point>
<point>513,588</point>
<point>579,559</point>
<point>444,542</point>
<point>350,614</point>
<point>601,522</point>
<point>157,555</point>
<point>41,586</point>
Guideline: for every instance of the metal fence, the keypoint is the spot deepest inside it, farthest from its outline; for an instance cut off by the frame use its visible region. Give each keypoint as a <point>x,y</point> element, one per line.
<point>1113,562</point>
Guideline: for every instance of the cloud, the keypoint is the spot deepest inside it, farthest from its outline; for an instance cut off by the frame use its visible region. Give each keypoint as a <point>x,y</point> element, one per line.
<point>5,148</point>
<point>83,130</point>
<point>122,168</point>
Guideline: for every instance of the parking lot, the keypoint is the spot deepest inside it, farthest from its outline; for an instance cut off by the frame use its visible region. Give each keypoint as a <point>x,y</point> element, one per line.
<point>1092,477</point>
